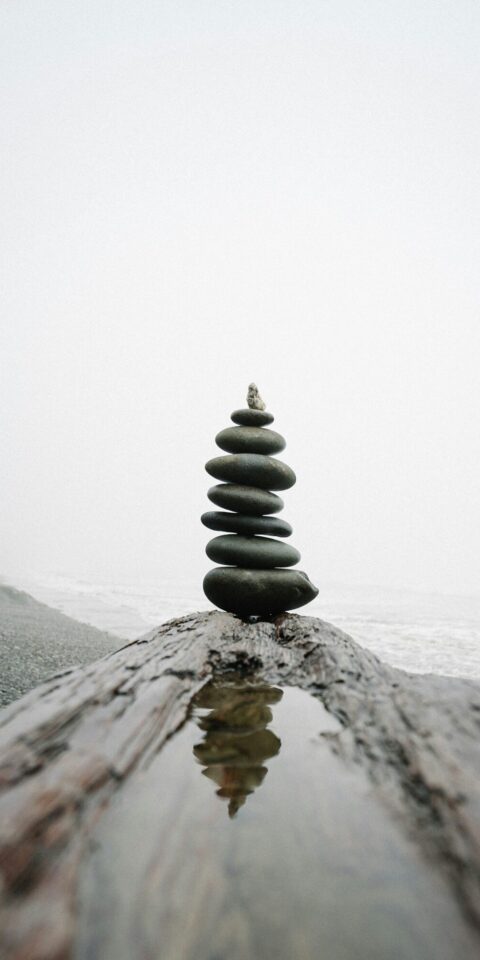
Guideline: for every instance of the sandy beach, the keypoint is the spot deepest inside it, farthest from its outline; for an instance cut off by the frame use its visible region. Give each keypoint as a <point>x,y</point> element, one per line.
<point>37,642</point>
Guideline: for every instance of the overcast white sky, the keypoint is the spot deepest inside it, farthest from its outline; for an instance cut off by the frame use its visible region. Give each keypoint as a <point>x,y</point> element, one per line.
<point>199,194</point>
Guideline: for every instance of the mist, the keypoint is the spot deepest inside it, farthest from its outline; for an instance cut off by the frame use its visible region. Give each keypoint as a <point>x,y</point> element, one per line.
<point>196,196</point>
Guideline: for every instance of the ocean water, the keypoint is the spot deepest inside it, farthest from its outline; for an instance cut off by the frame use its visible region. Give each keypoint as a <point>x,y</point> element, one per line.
<point>419,632</point>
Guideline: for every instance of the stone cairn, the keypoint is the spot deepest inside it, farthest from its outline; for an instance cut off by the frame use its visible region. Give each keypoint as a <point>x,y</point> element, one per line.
<point>254,581</point>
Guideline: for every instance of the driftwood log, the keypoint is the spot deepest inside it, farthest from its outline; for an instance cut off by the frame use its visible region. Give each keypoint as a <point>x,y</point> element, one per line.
<point>70,749</point>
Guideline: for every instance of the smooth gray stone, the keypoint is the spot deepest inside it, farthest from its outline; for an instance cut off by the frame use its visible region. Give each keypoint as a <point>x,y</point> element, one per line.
<point>250,440</point>
<point>241,523</point>
<point>247,500</point>
<point>255,552</point>
<point>251,418</point>
<point>252,468</point>
<point>258,592</point>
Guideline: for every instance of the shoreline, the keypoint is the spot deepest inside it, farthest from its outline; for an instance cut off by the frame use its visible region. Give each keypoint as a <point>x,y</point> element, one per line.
<point>37,641</point>
<point>420,633</point>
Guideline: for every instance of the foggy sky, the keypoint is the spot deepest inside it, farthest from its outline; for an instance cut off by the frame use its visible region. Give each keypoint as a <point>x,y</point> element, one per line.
<point>199,194</point>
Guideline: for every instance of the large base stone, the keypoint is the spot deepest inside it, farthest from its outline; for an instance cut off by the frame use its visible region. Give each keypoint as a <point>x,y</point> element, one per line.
<point>258,592</point>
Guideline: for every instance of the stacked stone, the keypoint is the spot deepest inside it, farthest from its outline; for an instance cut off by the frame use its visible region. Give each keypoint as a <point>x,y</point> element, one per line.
<point>255,580</point>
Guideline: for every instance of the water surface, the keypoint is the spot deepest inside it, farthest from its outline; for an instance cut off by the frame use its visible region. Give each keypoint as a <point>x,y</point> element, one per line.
<point>247,838</point>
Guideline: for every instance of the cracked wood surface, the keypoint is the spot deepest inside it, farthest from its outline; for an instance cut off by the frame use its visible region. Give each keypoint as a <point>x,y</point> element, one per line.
<point>69,745</point>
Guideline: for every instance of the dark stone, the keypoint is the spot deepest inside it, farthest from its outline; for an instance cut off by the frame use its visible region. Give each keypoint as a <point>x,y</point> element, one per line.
<point>251,418</point>
<point>247,500</point>
<point>240,523</point>
<point>258,592</point>
<point>253,552</point>
<point>252,468</point>
<point>250,440</point>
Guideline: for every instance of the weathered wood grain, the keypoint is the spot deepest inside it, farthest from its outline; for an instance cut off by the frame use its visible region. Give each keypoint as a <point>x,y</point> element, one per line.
<point>68,746</point>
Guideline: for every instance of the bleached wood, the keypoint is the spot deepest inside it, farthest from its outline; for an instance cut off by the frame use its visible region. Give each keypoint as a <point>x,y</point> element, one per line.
<point>69,745</point>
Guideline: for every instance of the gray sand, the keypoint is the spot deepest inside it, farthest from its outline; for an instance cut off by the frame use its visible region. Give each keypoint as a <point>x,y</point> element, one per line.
<point>37,642</point>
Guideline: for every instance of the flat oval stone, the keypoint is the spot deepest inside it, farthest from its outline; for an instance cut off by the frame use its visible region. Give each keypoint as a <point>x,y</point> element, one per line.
<point>263,593</point>
<point>241,523</point>
<point>259,552</point>
<point>245,499</point>
<point>250,440</point>
<point>252,468</point>
<point>251,418</point>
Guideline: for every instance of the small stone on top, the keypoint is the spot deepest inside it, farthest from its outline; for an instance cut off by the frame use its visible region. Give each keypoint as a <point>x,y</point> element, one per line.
<point>254,399</point>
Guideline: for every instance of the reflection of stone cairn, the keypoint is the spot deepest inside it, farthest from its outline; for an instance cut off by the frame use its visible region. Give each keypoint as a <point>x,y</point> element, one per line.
<point>253,582</point>
<point>236,741</point>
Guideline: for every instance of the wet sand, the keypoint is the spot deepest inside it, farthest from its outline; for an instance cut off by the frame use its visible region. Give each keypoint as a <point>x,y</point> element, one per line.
<point>37,641</point>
